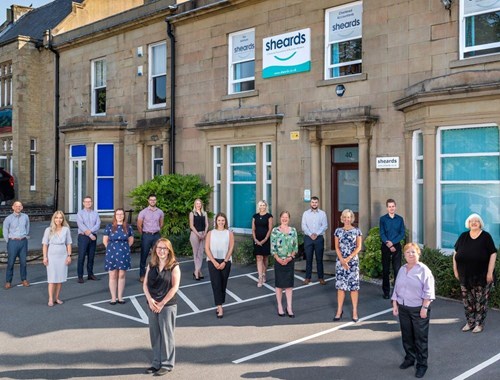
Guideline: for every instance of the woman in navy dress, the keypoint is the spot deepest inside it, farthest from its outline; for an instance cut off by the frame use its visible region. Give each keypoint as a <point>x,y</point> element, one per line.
<point>118,238</point>
<point>347,247</point>
<point>262,225</point>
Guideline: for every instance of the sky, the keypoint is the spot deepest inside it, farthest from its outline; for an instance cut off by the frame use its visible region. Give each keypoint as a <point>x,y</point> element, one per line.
<point>4,4</point>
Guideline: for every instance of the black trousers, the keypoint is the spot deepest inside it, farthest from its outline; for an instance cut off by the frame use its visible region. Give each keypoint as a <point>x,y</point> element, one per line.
<point>218,278</point>
<point>415,334</point>
<point>389,257</point>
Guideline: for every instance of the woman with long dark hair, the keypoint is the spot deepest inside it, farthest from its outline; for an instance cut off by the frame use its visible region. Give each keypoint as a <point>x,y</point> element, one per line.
<point>118,238</point>
<point>219,248</point>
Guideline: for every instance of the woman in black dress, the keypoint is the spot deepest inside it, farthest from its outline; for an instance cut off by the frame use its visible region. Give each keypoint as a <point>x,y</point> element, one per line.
<point>473,265</point>
<point>262,225</point>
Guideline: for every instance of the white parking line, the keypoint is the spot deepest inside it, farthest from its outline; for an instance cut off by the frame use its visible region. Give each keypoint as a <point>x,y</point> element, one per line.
<point>285,345</point>
<point>187,300</point>
<point>478,368</point>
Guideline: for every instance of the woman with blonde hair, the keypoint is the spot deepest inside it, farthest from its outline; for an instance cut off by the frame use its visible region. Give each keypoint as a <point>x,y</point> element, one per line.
<point>118,238</point>
<point>347,247</point>
<point>160,286</point>
<point>474,265</point>
<point>56,249</point>
<point>262,225</point>
<point>198,223</point>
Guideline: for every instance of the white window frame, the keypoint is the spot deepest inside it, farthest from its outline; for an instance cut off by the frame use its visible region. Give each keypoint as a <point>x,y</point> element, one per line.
<point>33,151</point>
<point>327,65</point>
<point>154,159</point>
<point>416,182</point>
<point>151,77</point>
<point>217,181</point>
<point>94,87</point>
<point>463,49</point>
<point>231,64</point>
<point>229,182</point>
<point>439,182</point>
<point>266,182</point>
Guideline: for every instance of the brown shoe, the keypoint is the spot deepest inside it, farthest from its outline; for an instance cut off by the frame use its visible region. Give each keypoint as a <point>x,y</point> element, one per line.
<point>93,278</point>
<point>25,283</point>
<point>7,285</point>
<point>80,280</point>
<point>322,282</point>
<point>307,281</point>
<point>141,279</point>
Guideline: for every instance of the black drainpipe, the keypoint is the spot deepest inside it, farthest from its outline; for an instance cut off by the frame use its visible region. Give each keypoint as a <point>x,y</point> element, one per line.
<point>56,121</point>
<point>172,96</point>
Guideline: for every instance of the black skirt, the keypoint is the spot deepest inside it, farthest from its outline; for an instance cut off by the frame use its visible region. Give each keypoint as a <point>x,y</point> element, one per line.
<point>283,275</point>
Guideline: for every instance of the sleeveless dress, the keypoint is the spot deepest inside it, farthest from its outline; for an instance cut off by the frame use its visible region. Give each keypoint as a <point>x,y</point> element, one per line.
<point>261,228</point>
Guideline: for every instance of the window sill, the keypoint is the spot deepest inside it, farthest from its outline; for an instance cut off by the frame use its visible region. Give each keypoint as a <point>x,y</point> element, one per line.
<point>152,109</point>
<point>474,61</point>
<point>342,80</point>
<point>246,94</point>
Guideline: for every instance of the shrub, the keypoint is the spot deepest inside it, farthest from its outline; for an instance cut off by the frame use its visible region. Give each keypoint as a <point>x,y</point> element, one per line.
<point>181,243</point>
<point>370,261</point>
<point>243,250</point>
<point>175,195</point>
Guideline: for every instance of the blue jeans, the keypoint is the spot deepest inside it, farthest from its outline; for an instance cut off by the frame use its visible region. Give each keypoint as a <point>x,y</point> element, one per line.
<point>86,246</point>
<point>147,242</point>
<point>16,248</point>
<point>312,247</point>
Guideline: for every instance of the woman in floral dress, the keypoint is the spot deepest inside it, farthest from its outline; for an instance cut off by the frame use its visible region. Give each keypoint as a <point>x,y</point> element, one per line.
<point>118,238</point>
<point>347,246</point>
<point>284,248</point>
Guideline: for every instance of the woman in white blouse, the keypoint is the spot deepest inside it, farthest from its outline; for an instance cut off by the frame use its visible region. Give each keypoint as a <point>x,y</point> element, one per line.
<point>219,246</point>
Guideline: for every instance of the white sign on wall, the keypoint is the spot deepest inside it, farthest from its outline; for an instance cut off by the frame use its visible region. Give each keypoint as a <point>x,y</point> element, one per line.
<point>286,54</point>
<point>387,163</point>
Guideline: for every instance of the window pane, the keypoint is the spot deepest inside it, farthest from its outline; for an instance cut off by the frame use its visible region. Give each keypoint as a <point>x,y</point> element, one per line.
<point>243,205</point>
<point>470,140</point>
<point>78,151</point>
<point>243,154</point>
<point>244,86</point>
<point>32,170</point>
<point>160,89</point>
<point>244,70</point>
<point>420,144</point>
<point>346,51</point>
<point>459,201</point>
<point>482,29</point>
<point>470,168</point>
<point>348,190</point>
<point>268,153</point>
<point>105,191</point>
<point>243,173</point>
<point>420,213</point>
<point>100,100</point>
<point>420,169</point>
<point>100,73</point>
<point>269,173</point>
<point>348,154</point>
<point>105,160</point>
<point>159,63</point>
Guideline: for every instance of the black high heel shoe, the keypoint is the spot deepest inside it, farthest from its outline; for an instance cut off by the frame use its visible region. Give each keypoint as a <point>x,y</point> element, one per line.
<point>196,278</point>
<point>336,319</point>
<point>290,315</point>
<point>281,315</point>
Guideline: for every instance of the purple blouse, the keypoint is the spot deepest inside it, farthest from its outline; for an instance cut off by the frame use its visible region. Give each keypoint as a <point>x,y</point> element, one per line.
<point>413,287</point>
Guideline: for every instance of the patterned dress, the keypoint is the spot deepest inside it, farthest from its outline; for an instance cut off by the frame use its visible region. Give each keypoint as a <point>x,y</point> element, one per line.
<point>347,279</point>
<point>283,245</point>
<point>118,250</point>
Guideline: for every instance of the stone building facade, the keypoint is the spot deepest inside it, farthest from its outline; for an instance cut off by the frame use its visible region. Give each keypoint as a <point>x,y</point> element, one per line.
<point>355,102</point>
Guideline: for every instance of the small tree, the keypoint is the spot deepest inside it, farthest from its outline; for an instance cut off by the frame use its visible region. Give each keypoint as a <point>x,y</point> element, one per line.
<point>175,194</point>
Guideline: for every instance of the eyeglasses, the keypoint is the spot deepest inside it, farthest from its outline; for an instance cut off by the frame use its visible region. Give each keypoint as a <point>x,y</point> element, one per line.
<point>163,249</point>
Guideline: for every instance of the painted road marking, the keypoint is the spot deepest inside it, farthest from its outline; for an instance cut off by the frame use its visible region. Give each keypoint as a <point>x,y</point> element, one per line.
<point>478,368</point>
<point>306,338</point>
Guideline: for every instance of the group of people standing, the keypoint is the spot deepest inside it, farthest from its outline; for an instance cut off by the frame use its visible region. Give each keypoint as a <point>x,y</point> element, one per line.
<point>414,290</point>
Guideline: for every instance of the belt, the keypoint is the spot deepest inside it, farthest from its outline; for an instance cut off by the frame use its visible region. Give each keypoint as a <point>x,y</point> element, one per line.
<point>150,233</point>
<point>23,238</point>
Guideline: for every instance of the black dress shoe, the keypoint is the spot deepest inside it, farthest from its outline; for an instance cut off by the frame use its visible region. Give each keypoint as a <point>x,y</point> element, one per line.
<point>151,370</point>
<point>420,372</point>
<point>93,278</point>
<point>407,364</point>
<point>121,302</point>
<point>80,280</point>
<point>386,296</point>
<point>162,371</point>
<point>112,302</point>
<point>281,315</point>
<point>289,315</point>
<point>336,319</point>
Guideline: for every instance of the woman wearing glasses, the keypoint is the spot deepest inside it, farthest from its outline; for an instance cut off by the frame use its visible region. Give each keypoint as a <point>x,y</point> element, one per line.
<point>160,286</point>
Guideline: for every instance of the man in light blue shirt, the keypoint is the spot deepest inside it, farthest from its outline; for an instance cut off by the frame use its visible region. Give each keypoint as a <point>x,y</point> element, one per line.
<point>88,222</point>
<point>16,228</point>
<point>314,225</point>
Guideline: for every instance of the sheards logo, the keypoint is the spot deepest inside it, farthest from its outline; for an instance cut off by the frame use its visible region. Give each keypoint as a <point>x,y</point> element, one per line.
<point>244,48</point>
<point>345,25</point>
<point>300,38</point>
